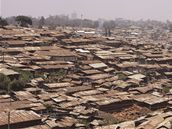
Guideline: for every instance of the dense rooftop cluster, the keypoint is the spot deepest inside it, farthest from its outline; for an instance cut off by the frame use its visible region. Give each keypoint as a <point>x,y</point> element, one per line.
<point>52,79</point>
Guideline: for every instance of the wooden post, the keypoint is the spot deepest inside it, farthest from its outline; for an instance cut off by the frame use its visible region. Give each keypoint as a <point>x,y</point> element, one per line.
<point>9,119</point>
<point>3,54</point>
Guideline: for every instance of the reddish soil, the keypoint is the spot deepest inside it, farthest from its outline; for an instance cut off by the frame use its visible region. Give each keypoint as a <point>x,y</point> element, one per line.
<point>131,113</point>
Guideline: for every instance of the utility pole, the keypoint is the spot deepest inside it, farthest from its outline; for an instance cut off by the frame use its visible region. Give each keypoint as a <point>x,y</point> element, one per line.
<point>3,52</point>
<point>81,21</point>
<point>3,55</point>
<point>8,112</point>
<point>9,119</point>
<point>5,45</point>
<point>9,93</point>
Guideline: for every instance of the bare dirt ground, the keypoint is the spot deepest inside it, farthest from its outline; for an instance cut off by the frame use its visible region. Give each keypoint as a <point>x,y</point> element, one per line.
<point>131,113</point>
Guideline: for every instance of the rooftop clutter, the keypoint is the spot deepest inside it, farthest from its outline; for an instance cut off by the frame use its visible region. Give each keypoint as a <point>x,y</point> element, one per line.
<point>57,80</point>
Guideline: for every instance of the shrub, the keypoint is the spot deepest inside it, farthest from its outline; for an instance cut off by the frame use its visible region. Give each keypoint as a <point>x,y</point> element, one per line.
<point>111,121</point>
<point>17,85</point>
<point>4,82</point>
<point>121,76</point>
<point>3,22</point>
<point>23,21</point>
<point>56,76</point>
<point>85,122</point>
<point>166,90</point>
<point>25,76</point>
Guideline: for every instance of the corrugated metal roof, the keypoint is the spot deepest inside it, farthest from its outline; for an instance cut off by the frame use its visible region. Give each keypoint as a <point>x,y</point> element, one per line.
<point>8,72</point>
<point>18,116</point>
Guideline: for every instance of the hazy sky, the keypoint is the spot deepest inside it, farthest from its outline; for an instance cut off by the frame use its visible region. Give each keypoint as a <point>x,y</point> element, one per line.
<point>109,9</point>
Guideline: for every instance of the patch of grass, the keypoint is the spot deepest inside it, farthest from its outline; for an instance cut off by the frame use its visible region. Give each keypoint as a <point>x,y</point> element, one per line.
<point>49,107</point>
<point>8,85</point>
<point>121,76</point>
<point>55,76</point>
<point>16,84</point>
<point>170,124</point>
<point>166,89</point>
<point>85,122</point>
<point>111,121</point>
<point>4,82</point>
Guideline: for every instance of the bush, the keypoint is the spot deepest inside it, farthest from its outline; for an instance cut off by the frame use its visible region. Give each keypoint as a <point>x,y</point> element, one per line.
<point>150,73</point>
<point>17,85</point>
<point>121,76</point>
<point>60,73</point>
<point>55,76</point>
<point>25,76</point>
<point>49,108</point>
<point>166,90</point>
<point>85,122</point>
<point>4,82</point>
<point>3,22</point>
<point>111,121</point>
<point>23,21</point>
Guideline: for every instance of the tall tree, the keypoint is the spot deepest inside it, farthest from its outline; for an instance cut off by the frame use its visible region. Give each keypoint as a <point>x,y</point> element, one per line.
<point>170,27</point>
<point>41,22</point>
<point>3,22</point>
<point>23,21</point>
<point>108,26</point>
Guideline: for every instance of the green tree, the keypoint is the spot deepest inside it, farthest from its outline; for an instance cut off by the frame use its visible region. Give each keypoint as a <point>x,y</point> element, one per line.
<point>17,85</point>
<point>23,21</point>
<point>166,89</point>
<point>4,82</point>
<point>108,26</point>
<point>41,22</point>
<point>49,108</point>
<point>3,22</point>
<point>122,76</point>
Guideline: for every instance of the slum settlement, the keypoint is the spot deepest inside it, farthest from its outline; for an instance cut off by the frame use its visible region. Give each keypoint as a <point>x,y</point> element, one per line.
<point>51,79</point>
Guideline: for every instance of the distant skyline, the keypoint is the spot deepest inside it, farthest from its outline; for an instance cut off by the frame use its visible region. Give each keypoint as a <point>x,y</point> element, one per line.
<point>92,9</point>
